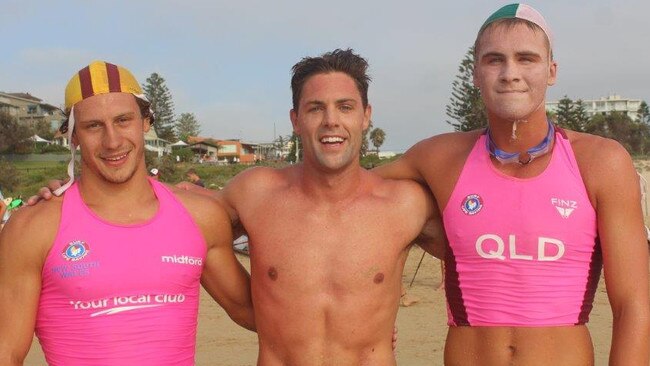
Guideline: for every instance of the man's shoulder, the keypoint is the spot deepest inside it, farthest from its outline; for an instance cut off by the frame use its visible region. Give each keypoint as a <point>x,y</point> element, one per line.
<point>44,214</point>
<point>195,202</point>
<point>263,179</point>
<point>36,226</point>
<point>398,191</point>
<point>206,211</point>
<point>445,146</point>
<point>597,152</point>
<point>602,161</point>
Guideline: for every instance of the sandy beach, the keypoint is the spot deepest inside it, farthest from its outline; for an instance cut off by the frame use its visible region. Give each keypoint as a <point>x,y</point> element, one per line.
<point>422,326</point>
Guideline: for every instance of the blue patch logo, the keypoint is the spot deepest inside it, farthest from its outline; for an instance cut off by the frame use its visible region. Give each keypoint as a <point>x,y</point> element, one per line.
<point>472,204</point>
<point>75,251</point>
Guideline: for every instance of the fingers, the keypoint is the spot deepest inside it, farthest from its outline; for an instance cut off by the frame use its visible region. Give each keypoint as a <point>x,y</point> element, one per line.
<point>43,194</point>
<point>185,185</point>
<point>54,184</point>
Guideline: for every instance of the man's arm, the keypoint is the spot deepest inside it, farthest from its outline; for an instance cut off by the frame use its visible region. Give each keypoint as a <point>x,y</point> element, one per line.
<point>625,254</point>
<point>224,278</point>
<point>432,238</point>
<point>22,254</point>
<point>403,168</point>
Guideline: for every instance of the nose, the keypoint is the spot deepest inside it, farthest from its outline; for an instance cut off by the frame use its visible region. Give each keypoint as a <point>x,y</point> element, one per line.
<point>112,138</point>
<point>330,117</point>
<point>510,72</point>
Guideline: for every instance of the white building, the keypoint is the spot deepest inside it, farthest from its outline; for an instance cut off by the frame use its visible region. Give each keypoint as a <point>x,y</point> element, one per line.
<point>605,105</point>
<point>156,144</point>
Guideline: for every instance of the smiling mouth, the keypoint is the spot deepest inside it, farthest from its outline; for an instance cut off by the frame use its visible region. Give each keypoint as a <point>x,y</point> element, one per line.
<point>115,158</point>
<point>332,140</point>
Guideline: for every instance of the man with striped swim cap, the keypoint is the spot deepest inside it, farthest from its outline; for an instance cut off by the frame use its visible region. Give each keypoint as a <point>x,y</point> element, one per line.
<point>532,212</point>
<point>110,273</point>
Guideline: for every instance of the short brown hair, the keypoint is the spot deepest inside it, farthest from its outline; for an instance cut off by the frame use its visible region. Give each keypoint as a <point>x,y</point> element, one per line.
<point>345,61</point>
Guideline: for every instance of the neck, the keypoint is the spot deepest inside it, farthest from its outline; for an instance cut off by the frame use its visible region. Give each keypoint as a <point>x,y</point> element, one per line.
<point>330,186</point>
<point>104,196</point>
<point>529,132</point>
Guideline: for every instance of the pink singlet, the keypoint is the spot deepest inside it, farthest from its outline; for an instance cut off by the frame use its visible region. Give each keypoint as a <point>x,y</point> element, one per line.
<point>121,294</point>
<point>522,252</point>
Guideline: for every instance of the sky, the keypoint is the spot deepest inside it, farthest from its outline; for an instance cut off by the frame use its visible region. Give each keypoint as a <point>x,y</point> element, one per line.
<point>229,62</point>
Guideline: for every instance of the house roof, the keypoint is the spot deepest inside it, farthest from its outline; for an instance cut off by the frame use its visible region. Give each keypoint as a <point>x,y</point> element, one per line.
<point>25,96</point>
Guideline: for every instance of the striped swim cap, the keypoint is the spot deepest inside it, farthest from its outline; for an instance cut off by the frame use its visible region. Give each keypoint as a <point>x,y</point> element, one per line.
<point>100,77</point>
<point>520,11</point>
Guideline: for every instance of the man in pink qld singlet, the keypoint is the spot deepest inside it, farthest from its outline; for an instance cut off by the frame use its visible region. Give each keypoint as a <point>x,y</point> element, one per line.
<point>531,213</point>
<point>110,274</point>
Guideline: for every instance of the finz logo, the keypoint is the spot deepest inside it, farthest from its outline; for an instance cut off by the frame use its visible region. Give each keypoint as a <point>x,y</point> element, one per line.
<point>182,259</point>
<point>75,251</point>
<point>472,204</point>
<point>564,207</point>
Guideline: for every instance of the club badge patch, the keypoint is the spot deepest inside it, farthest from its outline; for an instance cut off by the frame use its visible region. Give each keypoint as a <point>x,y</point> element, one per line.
<point>75,250</point>
<point>472,204</point>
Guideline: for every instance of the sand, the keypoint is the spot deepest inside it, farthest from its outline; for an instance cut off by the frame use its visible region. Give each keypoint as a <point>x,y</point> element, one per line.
<point>422,326</point>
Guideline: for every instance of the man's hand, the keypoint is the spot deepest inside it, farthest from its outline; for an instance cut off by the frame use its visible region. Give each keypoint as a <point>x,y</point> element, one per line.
<point>394,340</point>
<point>45,193</point>
<point>194,188</point>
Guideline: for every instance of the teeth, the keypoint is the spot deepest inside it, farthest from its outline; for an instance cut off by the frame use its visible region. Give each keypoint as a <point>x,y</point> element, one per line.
<point>331,139</point>
<point>115,158</point>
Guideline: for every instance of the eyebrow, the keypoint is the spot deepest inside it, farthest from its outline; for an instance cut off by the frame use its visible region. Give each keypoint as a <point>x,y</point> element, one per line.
<point>518,54</point>
<point>338,101</point>
<point>94,120</point>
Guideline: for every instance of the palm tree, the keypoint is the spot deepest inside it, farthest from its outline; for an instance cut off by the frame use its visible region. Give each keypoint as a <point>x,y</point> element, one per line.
<point>377,136</point>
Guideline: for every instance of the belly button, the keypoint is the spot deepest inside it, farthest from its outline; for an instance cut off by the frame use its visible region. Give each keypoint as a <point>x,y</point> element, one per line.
<point>379,278</point>
<point>273,273</point>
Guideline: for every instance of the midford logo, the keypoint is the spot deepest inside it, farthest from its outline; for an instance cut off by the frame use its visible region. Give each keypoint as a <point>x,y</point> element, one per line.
<point>75,250</point>
<point>182,259</point>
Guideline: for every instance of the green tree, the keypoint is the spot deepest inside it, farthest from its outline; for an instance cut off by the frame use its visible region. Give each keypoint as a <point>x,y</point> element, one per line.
<point>643,114</point>
<point>580,116</point>
<point>162,105</point>
<point>620,127</point>
<point>377,136</point>
<point>187,125</point>
<point>564,116</point>
<point>364,141</point>
<point>13,135</point>
<point>465,105</point>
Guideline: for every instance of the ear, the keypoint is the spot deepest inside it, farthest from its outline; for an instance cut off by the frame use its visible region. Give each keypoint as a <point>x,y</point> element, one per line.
<point>552,73</point>
<point>293,115</point>
<point>367,117</point>
<point>146,124</point>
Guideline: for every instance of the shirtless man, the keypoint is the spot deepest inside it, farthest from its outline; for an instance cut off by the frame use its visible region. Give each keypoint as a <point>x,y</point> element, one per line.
<point>328,239</point>
<point>110,273</point>
<point>531,213</point>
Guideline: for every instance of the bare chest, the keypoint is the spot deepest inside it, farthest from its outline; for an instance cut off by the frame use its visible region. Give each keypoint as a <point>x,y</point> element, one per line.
<point>335,246</point>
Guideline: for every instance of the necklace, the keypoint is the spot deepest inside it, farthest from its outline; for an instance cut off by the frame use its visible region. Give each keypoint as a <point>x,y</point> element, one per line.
<point>521,158</point>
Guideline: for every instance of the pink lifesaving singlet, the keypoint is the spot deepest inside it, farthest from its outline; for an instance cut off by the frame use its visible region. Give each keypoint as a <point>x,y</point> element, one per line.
<point>522,252</point>
<point>121,294</point>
